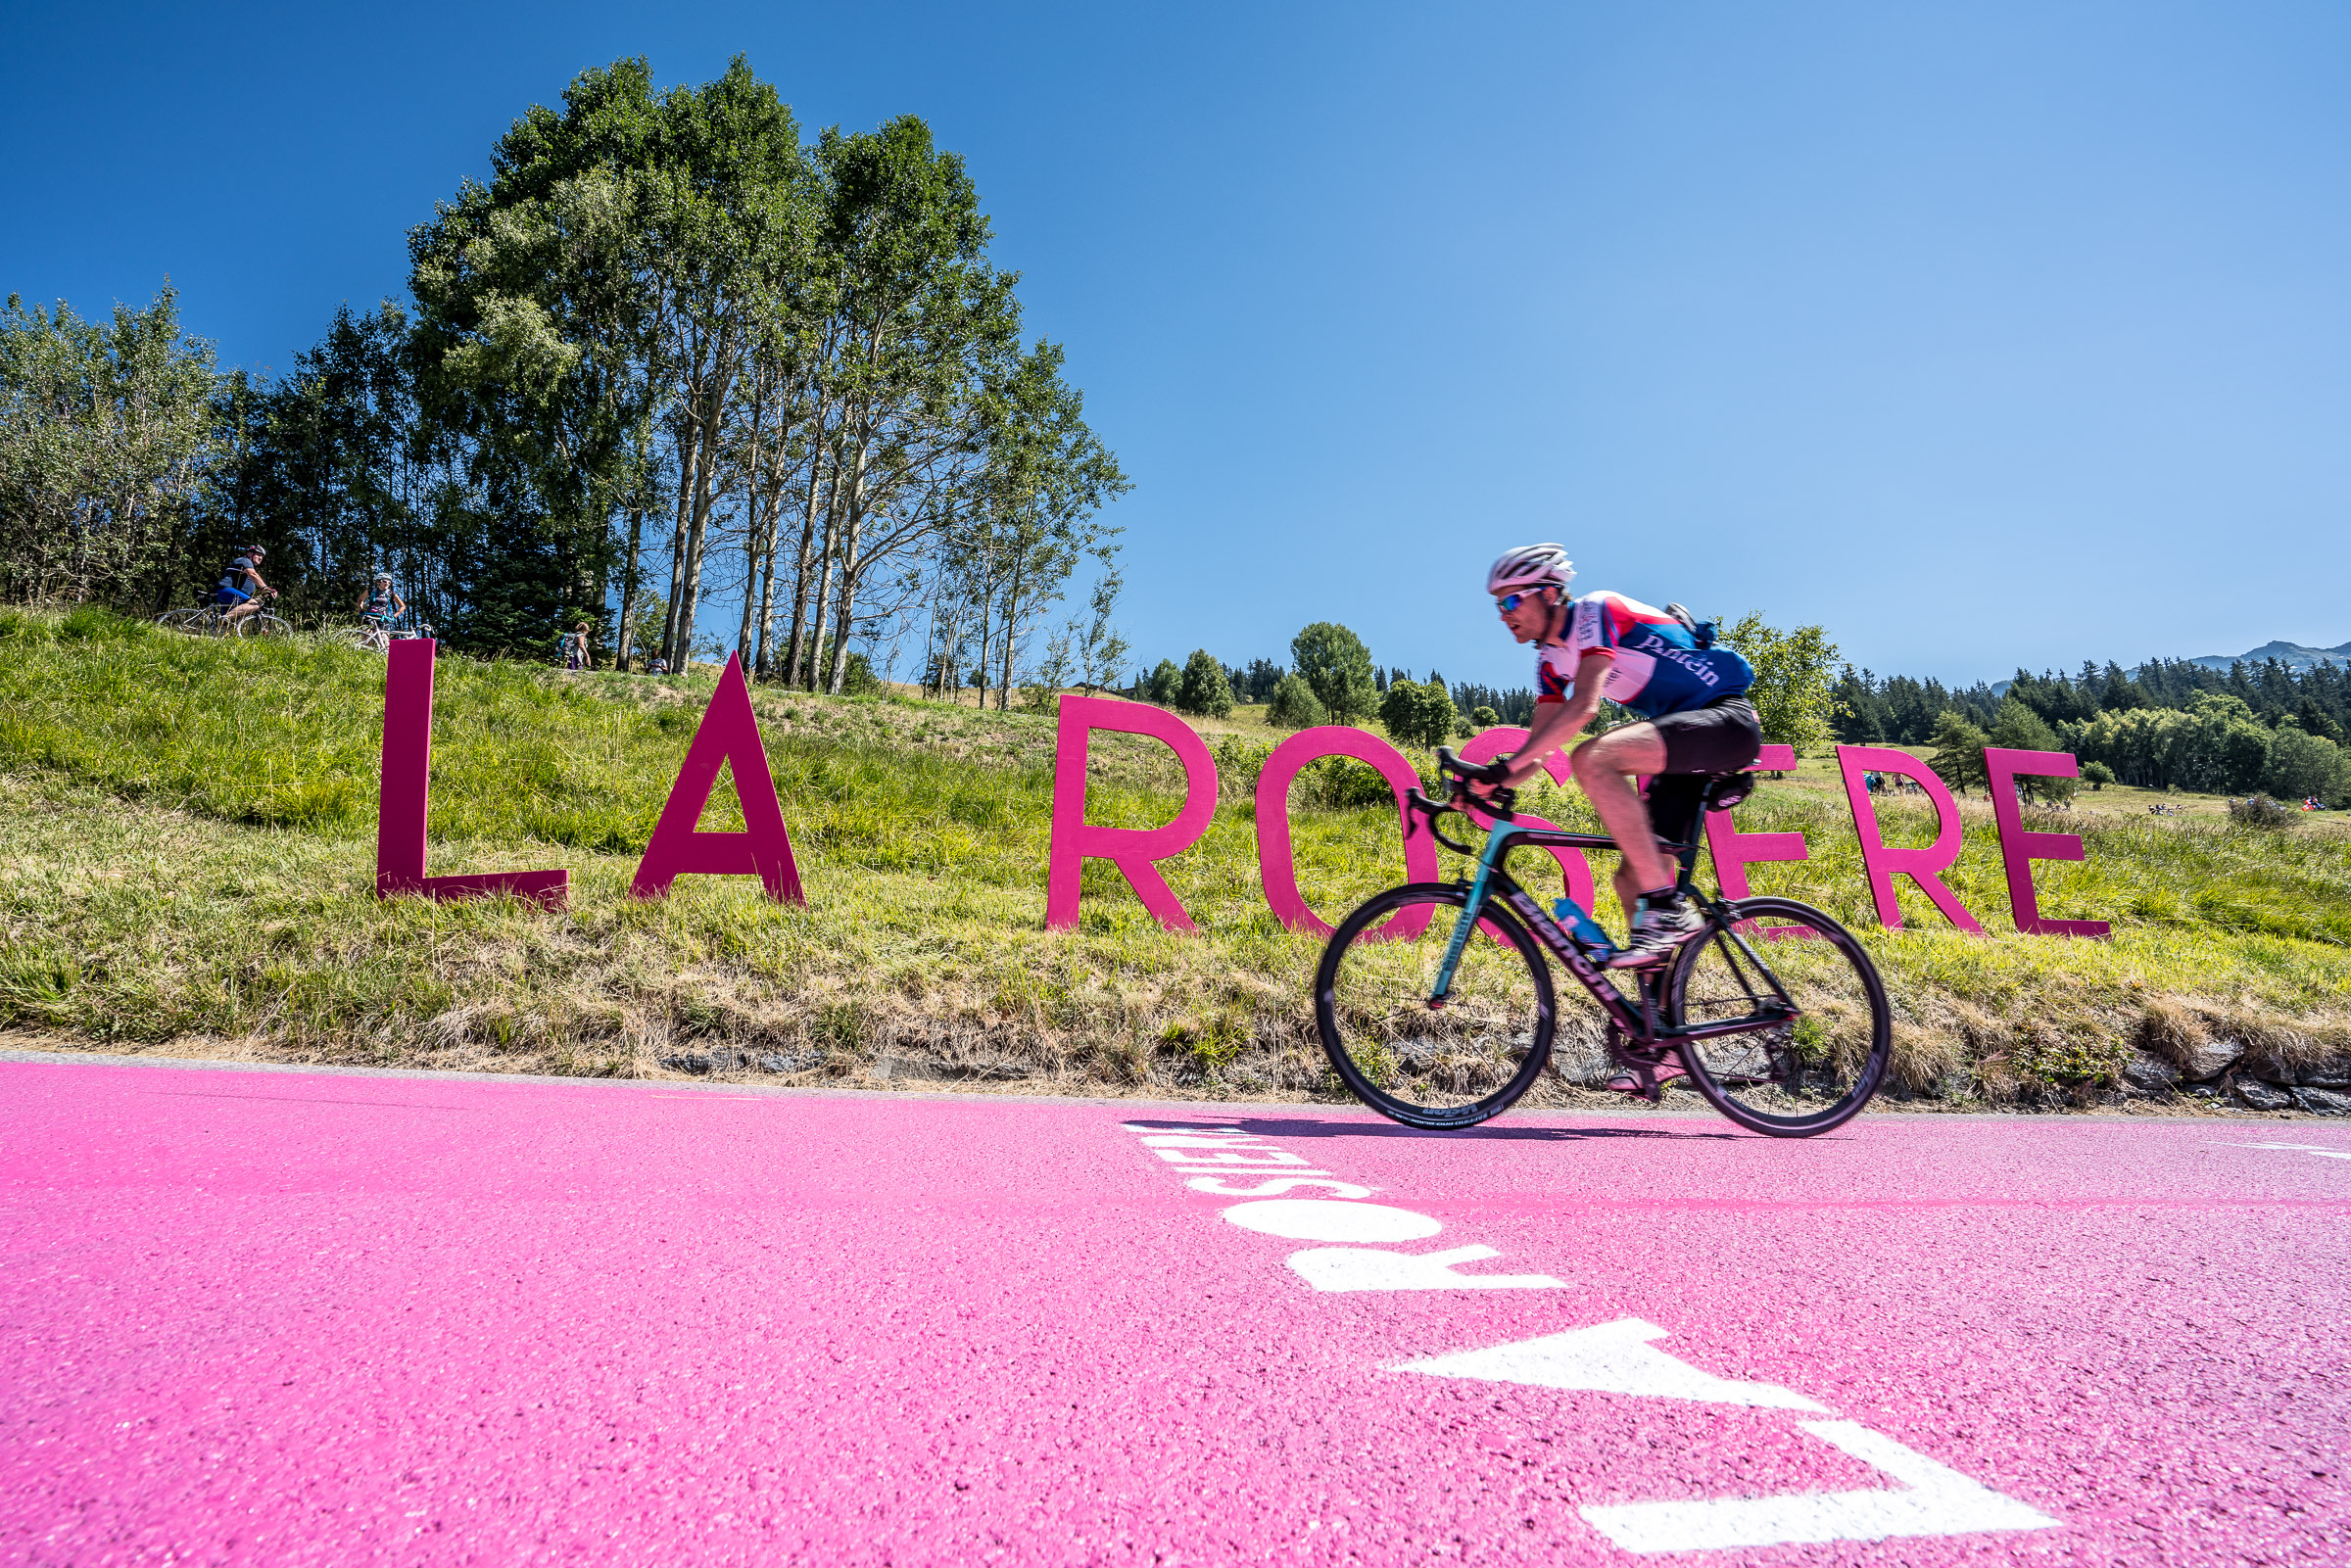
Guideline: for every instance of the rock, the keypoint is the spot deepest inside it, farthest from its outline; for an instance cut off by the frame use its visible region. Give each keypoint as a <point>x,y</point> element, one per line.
<point>2334,1073</point>
<point>2260,1096</point>
<point>2211,1059</point>
<point>2324,1102</point>
<point>2146,1074</point>
<point>2267,1066</point>
<point>773,1063</point>
<point>686,1063</point>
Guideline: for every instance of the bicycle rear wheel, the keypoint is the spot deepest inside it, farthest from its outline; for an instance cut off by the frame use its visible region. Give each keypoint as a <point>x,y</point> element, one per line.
<point>262,627</point>
<point>1823,1034</point>
<point>194,623</point>
<point>1438,1068</point>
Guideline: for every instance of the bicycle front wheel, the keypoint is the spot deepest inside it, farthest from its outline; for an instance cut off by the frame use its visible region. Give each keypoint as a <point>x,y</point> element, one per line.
<point>1438,1066</point>
<point>264,628</point>
<point>1820,1035</point>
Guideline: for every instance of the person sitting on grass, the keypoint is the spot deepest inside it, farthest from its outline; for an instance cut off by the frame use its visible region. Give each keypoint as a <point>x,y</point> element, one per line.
<point>240,585</point>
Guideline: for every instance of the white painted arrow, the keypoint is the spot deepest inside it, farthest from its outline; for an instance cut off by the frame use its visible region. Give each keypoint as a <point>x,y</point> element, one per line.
<point>1611,1359</point>
<point>1936,1501</point>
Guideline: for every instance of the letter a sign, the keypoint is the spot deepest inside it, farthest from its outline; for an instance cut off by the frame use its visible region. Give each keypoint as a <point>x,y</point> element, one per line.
<point>729,733</point>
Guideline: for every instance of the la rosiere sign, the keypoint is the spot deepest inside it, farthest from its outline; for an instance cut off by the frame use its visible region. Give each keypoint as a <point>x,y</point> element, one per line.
<point>728,734</point>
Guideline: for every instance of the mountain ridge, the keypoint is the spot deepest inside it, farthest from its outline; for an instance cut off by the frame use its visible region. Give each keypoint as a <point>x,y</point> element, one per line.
<point>2294,655</point>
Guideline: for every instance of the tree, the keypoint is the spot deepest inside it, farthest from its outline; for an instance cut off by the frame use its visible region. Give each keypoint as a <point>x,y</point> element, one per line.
<point>2097,774</point>
<point>1202,689</point>
<point>106,432</point>
<point>1101,649</point>
<point>1484,718</point>
<point>1160,686</point>
<point>1293,705</point>
<point>1793,692</point>
<point>1418,714</point>
<point>1958,759</point>
<point>1335,664</point>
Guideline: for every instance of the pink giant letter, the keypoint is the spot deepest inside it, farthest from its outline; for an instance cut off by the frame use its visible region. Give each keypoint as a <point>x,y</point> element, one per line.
<point>729,733</point>
<point>1131,849</point>
<point>1277,867</point>
<point>1494,742</point>
<point>2019,848</point>
<point>406,784</point>
<point>1922,866</point>
<point>1735,851</point>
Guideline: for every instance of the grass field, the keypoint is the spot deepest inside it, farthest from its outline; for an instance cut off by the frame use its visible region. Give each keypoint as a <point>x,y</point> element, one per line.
<point>188,865</point>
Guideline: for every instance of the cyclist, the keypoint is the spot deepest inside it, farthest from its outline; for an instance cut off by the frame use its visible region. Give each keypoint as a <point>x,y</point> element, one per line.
<point>381,604</point>
<point>1695,722</point>
<point>239,585</point>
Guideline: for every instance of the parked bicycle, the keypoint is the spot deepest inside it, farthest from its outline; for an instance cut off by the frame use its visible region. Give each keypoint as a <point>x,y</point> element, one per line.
<point>212,620</point>
<point>378,636</point>
<point>1436,1030</point>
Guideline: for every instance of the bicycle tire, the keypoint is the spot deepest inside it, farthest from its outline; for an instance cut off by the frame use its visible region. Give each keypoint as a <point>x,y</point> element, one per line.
<point>1421,1065</point>
<point>1787,1080</point>
<point>189,623</point>
<point>262,629</point>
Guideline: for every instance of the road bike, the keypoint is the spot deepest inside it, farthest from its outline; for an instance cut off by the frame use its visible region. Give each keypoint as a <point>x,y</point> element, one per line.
<point>212,620</point>
<point>1436,1030</point>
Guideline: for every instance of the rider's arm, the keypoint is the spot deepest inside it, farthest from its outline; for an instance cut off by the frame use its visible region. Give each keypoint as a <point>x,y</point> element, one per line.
<point>1557,723</point>
<point>400,606</point>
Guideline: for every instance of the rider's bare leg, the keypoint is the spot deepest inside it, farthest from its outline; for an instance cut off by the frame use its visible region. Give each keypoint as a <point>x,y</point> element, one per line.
<point>1604,766</point>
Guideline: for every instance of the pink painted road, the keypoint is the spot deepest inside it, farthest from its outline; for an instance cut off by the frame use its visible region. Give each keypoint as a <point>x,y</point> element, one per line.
<point>294,1317</point>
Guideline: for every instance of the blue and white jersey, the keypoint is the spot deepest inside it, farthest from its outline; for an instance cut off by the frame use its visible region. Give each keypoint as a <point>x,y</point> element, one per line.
<point>1656,666</point>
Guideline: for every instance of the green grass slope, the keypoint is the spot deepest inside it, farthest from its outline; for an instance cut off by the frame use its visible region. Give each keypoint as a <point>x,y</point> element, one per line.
<point>188,863</point>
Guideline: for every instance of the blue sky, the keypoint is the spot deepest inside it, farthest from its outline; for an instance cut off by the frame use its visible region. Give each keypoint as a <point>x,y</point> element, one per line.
<point>1983,335</point>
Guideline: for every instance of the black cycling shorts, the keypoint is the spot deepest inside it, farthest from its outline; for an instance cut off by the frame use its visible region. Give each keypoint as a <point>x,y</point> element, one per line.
<point>1723,737</point>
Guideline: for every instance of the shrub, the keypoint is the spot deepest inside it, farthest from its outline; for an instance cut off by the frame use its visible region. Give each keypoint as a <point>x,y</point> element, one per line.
<point>2097,774</point>
<point>1294,705</point>
<point>1482,717</point>
<point>2260,811</point>
<point>1203,688</point>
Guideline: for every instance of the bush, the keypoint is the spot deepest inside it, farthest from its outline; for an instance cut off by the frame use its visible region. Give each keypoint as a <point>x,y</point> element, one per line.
<point>1203,688</point>
<point>2097,774</point>
<point>1294,705</point>
<point>1484,718</point>
<point>2260,811</point>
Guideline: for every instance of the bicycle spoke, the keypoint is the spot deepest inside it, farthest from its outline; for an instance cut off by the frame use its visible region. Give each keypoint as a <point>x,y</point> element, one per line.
<point>1447,1065</point>
<point>1816,1034</point>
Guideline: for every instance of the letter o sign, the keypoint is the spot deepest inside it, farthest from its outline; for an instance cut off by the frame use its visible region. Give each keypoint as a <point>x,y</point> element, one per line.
<point>1277,862</point>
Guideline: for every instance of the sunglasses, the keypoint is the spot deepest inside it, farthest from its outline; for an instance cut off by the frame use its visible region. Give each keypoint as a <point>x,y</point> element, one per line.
<point>1511,602</point>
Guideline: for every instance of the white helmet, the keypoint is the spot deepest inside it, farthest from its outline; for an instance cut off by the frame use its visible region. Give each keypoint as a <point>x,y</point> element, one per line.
<point>1530,566</point>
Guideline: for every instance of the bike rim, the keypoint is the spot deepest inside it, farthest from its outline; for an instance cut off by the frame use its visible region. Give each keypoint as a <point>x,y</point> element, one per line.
<point>1809,1072</point>
<point>1447,1067</point>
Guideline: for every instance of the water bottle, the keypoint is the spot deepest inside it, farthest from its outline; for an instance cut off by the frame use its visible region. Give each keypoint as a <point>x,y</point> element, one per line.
<point>1582,926</point>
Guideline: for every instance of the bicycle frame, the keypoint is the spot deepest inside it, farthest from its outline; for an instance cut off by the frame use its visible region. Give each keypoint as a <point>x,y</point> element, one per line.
<point>1492,879</point>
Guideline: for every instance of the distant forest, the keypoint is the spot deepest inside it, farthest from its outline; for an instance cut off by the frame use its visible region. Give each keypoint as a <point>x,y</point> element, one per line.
<point>1902,710</point>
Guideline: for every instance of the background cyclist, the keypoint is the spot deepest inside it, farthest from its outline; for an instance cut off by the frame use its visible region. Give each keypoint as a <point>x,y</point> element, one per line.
<point>381,604</point>
<point>1696,721</point>
<point>240,585</point>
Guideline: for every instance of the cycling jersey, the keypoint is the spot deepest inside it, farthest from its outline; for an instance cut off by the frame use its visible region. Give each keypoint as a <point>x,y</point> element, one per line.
<point>1656,665</point>
<point>380,604</point>
<point>233,581</point>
